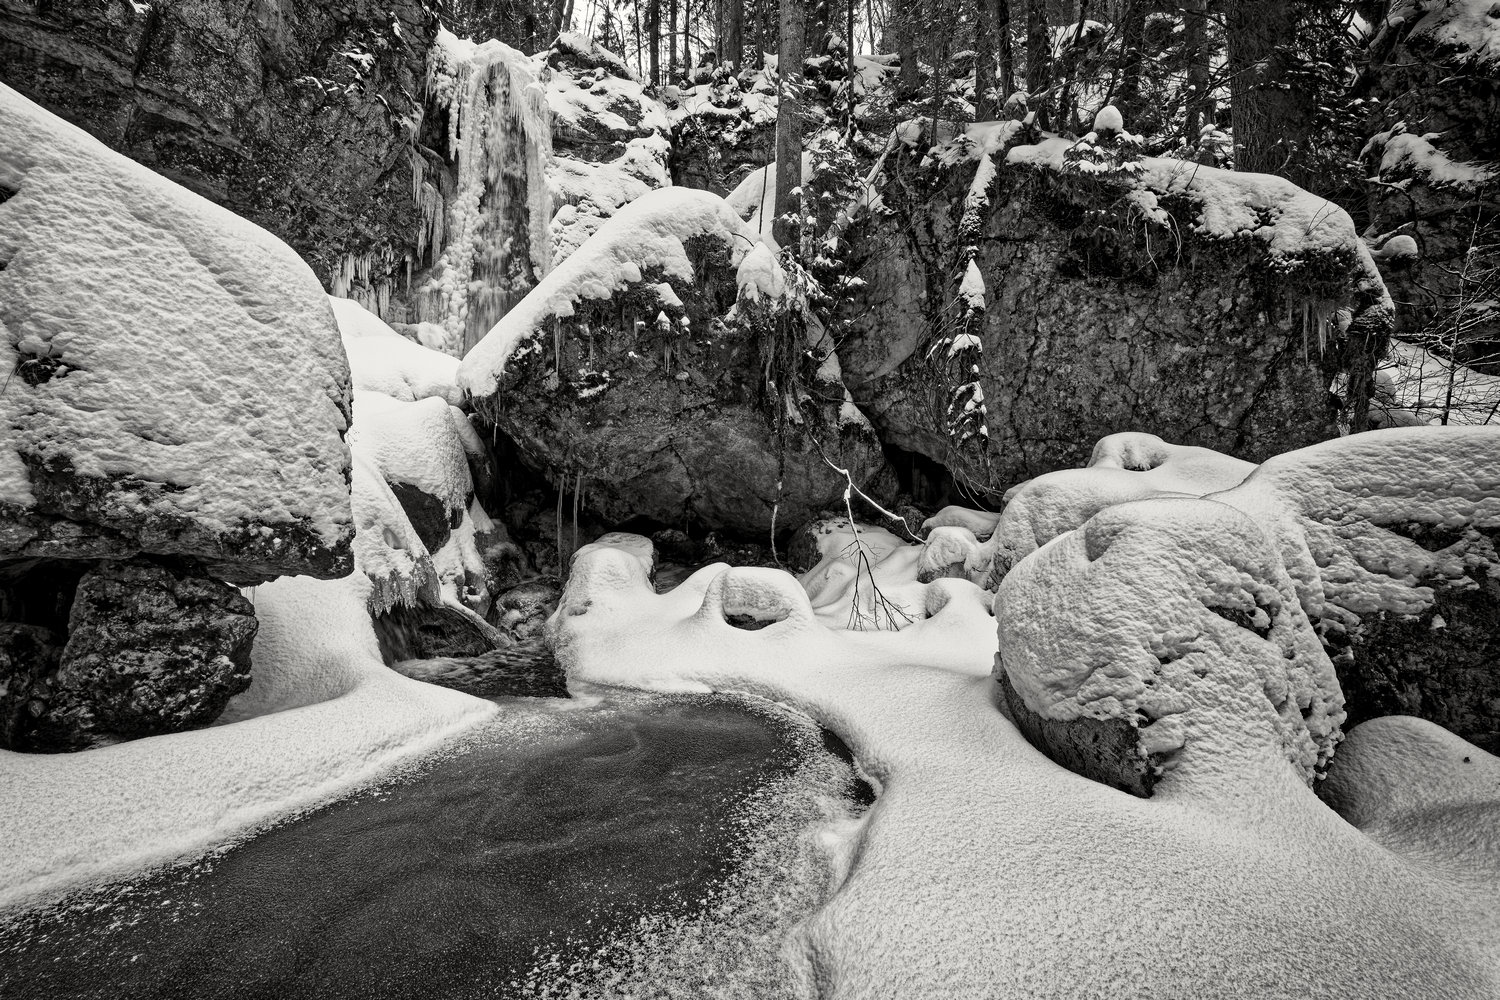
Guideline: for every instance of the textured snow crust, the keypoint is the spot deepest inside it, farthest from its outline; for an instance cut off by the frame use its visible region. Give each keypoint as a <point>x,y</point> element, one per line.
<point>984,869</point>
<point>168,320</point>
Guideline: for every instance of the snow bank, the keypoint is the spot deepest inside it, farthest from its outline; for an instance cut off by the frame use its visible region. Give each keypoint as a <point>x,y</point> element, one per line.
<point>648,233</point>
<point>1291,222</point>
<point>1423,793</point>
<point>984,869</point>
<point>322,715</point>
<point>1466,26</point>
<point>161,336</point>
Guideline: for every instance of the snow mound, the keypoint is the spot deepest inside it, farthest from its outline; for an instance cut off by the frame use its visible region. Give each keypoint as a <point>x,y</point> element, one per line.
<point>1176,618</point>
<point>1423,793</point>
<point>1350,516</point>
<point>383,361</point>
<point>983,869</point>
<point>322,716</point>
<point>157,337</point>
<point>648,233</point>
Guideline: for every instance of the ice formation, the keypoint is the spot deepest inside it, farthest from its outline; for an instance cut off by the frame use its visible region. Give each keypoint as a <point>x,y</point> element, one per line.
<point>499,133</point>
<point>322,715</point>
<point>148,327</point>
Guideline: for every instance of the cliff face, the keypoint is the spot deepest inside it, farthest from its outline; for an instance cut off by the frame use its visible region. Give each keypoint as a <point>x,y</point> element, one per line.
<point>1015,310</point>
<point>298,117</point>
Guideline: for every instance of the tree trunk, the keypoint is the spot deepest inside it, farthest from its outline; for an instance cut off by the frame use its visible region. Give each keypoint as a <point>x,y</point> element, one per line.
<point>1195,29</point>
<point>671,40</point>
<point>653,30</point>
<point>734,33</point>
<point>1272,112</point>
<point>1038,58</point>
<point>789,121</point>
<point>1132,38</point>
<point>984,60</point>
<point>1000,25</point>
<point>910,79</point>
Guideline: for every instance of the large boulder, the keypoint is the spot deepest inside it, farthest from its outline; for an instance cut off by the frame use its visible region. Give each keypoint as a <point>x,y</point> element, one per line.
<point>150,649</point>
<point>1434,170</point>
<point>635,375</point>
<point>1016,308</point>
<point>299,117</point>
<point>179,388</point>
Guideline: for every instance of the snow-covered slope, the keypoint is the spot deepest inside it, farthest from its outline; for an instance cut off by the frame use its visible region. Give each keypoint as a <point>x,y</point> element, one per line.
<point>176,379</point>
<point>984,869</point>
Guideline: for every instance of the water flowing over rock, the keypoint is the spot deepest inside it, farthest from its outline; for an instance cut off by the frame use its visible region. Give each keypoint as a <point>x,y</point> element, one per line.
<point>1016,309</point>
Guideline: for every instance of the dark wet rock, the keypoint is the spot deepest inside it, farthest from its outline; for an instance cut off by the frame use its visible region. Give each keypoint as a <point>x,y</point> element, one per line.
<point>1440,664</point>
<point>522,611</point>
<point>658,410</point>
<point>297,117</point>
<point>150,649</point>
<point>429,516</point>
<point>28,653</point>
<point>422,632</point>
<point>525,669</point>
<point>1093,323</point>
<point>1105,750</point>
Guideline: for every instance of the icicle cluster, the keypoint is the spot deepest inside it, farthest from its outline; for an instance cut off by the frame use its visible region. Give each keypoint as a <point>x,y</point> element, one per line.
<point>500,139</point>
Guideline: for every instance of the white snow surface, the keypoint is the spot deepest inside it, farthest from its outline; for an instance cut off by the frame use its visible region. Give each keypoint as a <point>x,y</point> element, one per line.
<point>414,443</point>
<point>984,869</point>
<point>383,361</point>
<point>1406,154</point>
<point>1469,26</point>
<point>1124,467</point>
<point>649,232</point>
<point>202,351</point>
<point>323,715</point>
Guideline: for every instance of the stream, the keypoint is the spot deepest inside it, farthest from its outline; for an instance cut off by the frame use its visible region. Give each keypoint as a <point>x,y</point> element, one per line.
<point>643,846</point>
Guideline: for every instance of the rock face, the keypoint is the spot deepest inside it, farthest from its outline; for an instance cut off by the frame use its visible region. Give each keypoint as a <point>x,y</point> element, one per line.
<point>150,649</point>
<point>1435,171</point>
<point>1016,310</point>
<point>298,117</point>
<point>625,377</point>
<point>148,330</point>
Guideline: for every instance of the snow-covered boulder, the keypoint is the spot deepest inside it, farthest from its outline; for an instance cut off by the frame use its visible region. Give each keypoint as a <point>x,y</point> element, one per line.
<point>633,375</point>
<point>177,388</point>
<point>1123,467</point>
<point>1164,633</point>
<point>1433,163</point>
<point>1203,305</point>
<point>1390,538</point>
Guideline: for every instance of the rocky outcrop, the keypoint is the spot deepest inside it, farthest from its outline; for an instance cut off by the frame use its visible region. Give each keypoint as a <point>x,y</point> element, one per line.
<point>159,407</point>
<point>150,649</point>
<point>635,375</point>
<point>299,117</point>
<point>1016,308</point>
<point>1385,539</point>
<point>1434,169</point>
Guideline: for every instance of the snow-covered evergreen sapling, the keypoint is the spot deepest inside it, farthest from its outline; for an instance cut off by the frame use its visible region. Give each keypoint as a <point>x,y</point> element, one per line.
<point>1107,151</point>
